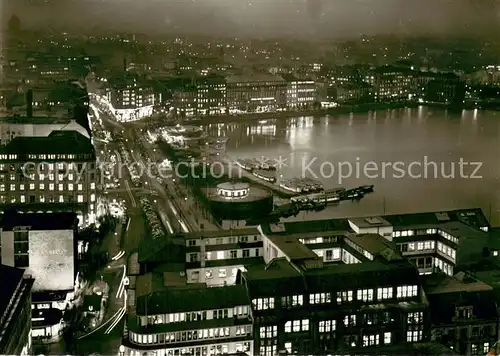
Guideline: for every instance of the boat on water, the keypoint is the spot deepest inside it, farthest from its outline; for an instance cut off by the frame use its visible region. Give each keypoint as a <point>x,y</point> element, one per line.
<point>249,164</point>
<point>265,175</point>
<point>330,196</point>
<point>301,185</point>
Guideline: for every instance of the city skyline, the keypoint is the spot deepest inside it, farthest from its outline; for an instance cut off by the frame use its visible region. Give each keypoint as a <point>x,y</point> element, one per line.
<point>312,19</point>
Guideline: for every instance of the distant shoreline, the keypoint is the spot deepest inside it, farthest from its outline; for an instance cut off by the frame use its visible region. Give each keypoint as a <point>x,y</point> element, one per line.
<point>321,112</point>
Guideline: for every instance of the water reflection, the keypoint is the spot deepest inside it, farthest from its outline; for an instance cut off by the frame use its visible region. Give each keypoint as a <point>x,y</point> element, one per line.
<point>404,135</point>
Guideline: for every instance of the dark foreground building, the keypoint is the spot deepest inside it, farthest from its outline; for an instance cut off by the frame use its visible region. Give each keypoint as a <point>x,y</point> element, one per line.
<point>15,311</point>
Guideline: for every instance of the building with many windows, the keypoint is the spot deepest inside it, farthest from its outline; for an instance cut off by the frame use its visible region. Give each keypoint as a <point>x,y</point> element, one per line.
<point>365,296</point>
<point>300,93</point>
<point>129,98</point>
<point>318,287</point>
<point>50,173</point>
<point>464,313</point>
<point>256,93</point>
<point>211,95</point>
<point>44,245</point>
<point>15,311</point>
<point>190,320</point>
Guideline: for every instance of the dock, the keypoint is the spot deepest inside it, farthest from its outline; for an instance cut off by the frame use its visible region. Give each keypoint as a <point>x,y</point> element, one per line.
<point>237,171</point>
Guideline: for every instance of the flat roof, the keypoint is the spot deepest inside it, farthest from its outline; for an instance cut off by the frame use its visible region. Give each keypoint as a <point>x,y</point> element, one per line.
<point>253,78</point>
<point>39,221</point>
<point>370,221</point>
<point>221,233</point>
<point>192,298</point>
<point>473,217</point>
<point>461,282</point>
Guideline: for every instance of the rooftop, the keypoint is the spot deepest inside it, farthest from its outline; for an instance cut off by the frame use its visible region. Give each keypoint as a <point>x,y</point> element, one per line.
<point>472,217</point>
<point>373,243</point>
<point>192,298</point>
<point>370,221</point>
<point>461,282</point>
<point>39,221</point>
<point>254,78</point>
<point>282,275</point>
<point>10,277</point>
<point>58,142</point>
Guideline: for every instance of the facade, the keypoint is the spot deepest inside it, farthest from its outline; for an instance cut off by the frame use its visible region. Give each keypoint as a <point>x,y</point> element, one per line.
<point>15,311</point>
<point>193,320</point>
<point>368,298</point>
<point>129,99</point>
<point>391,84</point>
<point>464,313</point>
<point>50,173</point>
<point>445,89</point>
<point>301,93</point>
<point>184,101</point>
<point>45,246</point>
<point>215,258</point>
<point>352,93</point>
<point>315,287</point>
<point>256,93</point>
<point>211,96</point>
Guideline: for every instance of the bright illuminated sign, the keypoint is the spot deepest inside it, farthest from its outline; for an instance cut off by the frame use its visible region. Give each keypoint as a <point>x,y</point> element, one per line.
<point>52,259</point>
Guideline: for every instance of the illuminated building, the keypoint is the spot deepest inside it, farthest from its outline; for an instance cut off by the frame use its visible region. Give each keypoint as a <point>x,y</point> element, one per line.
<point>317,287</point>
<point>211,96</point>
<point>301,93</point>
<point>350,93</point>
<point>45,246</point>
<point>256,93</point>
<point>184,101</point>
<point>130,100</point>
<point>15,311</point>
<point>190,320</point>
<point>391,84</point>
<point>50,173</point>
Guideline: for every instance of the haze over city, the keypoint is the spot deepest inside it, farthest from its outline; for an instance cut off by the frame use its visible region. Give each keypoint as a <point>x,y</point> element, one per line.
<point>262,18</point>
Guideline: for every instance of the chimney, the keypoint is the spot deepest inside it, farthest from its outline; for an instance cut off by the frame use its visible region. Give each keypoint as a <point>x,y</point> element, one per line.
<point>29,103</point>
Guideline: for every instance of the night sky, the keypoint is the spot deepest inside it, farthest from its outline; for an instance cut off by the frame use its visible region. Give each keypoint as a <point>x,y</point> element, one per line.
<point>262,18</point>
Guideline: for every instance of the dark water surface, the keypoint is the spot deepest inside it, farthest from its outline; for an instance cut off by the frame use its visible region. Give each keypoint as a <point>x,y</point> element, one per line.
<point>389,149</point>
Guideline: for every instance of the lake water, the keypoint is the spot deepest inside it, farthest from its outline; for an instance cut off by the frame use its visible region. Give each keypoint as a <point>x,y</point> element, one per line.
<point>419,159</point>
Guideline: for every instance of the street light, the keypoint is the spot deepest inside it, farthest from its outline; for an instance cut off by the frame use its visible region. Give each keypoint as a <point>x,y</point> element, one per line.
<point>122,350</point>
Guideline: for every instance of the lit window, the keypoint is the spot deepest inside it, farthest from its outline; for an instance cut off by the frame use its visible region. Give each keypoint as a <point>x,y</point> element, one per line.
<point>32,186</point>
<point>92,185</point>
<point>2,187</point>
<point>222,273</point>
<point>387,338</point>
<point>51,176</point>
<point>60,177</point>
<point>80,198</point>
<point>80,186</point>
<point>23,199</point>
<point>70,186</point>
<point>42,186</point>
<point>92,197</point>
<point>70,176</point>
<point>51,186</point>
<point>42,199</point>
<point>61,199</point>
<point>12,187</point>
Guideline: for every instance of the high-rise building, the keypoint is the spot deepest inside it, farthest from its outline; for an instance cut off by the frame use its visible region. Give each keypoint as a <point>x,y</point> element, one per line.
<point>15,311</point>
<point>44,245</point>
<point>50,173</point>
